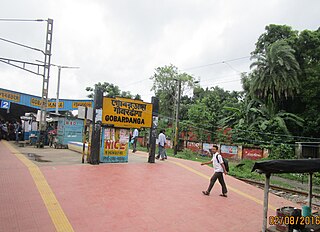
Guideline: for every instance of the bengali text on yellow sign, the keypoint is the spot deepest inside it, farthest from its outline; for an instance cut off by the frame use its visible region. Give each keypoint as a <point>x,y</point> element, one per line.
<point>9,96</point>
<point>75,105</point>
<point>37,102</point>
<point>126,113</point>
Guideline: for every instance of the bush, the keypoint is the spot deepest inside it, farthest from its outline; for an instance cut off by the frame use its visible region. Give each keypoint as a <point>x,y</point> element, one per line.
<point>281,151</point>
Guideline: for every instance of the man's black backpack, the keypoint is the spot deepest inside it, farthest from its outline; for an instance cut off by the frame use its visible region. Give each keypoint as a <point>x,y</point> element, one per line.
<point>225,162</point>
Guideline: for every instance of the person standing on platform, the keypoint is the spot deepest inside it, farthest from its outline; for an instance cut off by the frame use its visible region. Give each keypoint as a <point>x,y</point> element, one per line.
<point>1,129</point>
<point>219,169</point>
<point>162,143</point>
<point>18,131</point>
<point>5,134</point>
<point>135,139</point>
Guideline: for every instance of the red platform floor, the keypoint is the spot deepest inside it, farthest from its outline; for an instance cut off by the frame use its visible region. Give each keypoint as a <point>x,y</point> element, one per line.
<point>137,196</point>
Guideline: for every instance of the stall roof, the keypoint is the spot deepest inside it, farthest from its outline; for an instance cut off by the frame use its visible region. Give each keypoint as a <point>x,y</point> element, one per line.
<point>287,166</point>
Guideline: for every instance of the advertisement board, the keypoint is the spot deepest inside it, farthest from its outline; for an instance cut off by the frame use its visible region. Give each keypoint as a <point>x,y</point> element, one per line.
<point>252,153</point>
<point>193,146</point>
<point>69,130</point>
<point>115,145</point>
<point>229,151</point>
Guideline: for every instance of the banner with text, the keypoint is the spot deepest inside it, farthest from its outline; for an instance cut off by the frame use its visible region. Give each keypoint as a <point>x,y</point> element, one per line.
<point>126,113</point>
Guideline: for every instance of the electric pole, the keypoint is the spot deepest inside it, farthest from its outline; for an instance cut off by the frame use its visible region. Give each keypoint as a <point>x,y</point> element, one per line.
<point>45,83</point>
<point>176,136</point>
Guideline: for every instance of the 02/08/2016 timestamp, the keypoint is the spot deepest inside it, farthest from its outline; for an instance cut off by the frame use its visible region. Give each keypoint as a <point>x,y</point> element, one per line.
<point>291,220</point>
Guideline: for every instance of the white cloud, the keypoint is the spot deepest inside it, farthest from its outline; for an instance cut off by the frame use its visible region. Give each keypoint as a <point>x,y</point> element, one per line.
<point>122,42</point>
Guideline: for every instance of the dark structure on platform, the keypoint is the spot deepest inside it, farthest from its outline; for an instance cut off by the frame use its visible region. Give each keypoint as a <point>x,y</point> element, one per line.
<point>284,166</point>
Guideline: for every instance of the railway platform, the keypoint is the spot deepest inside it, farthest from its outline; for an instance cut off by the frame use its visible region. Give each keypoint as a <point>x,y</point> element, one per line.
<point>51,190</point>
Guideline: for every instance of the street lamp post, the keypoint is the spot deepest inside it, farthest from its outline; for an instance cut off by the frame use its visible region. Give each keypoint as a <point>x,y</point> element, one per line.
<point>58,85</point>
<point>58,89</point>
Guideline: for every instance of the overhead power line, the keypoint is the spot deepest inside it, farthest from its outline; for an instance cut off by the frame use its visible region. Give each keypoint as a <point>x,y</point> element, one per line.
<point>22,45</point>
<point>216,63</point>
<point>230,66</point>
<point>196,67</point>
<point>23,20</point>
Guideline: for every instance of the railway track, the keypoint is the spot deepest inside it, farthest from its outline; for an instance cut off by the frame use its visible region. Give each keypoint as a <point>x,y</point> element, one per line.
<point>281,189</point>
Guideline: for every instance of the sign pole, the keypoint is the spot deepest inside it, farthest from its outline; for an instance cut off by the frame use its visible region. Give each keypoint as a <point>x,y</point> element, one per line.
<point>84,133</point>
<point>153,130</point>
<point>96,128</point>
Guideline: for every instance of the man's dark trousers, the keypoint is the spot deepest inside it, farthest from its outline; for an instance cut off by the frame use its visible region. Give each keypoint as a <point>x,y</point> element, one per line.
<point>219,176</point>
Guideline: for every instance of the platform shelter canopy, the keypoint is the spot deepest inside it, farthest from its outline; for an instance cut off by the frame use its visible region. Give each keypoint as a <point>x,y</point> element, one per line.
<point>287,166</point>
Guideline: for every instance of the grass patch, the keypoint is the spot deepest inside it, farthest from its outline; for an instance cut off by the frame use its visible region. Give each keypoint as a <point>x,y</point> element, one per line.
<point>242,168</point>
<point>301,177</point>
<point>282,184</point>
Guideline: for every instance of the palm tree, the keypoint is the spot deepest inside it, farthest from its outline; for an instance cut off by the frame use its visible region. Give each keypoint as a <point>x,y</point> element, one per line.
<point>276,72</point>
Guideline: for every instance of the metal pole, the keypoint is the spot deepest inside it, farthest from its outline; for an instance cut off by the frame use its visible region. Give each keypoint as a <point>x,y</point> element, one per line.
<point>176,137</point>
<point>96,128</point>
<point>152,142</point>
<point>45,83</point>
<point>84,133</point>
<point>310,191</point>
<point>58,89</point>
<point>153,130</point>
<point>265,202</point>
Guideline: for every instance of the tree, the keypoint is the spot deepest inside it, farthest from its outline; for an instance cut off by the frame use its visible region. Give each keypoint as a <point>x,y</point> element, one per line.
<point>242,115</point>
<point>276,72</point>
<point>270,120</point>
<point>200,120</point>
<point>307,104</point>
<point>111,90</point>
<point>208,109</point>
<point>274,33</point>
<point>165,87</point>
<point>307,52</point>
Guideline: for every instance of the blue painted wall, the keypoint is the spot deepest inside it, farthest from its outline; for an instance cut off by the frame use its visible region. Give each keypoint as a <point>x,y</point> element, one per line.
<point>34,101</point>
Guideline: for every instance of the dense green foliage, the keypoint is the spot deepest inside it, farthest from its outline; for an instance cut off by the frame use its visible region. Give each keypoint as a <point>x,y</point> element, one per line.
<point>111,90</point>
<point>278,106</point>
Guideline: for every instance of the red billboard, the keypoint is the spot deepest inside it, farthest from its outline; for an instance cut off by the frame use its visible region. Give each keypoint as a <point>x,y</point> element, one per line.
<point>252,153</point>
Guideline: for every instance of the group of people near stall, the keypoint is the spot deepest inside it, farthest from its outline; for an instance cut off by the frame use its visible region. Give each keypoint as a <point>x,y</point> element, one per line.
<point>11,131</point>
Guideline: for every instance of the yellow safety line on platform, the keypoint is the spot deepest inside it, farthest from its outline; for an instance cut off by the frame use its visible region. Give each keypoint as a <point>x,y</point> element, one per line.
<point>55,211</point>
<point>229,187</point>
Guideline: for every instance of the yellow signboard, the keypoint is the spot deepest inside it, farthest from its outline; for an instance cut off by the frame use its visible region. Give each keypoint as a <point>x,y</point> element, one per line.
<point>9,96</point>
<point>37,102</point>
<point>75,105</point>
<point>53,104</point>
<point>126,113</point>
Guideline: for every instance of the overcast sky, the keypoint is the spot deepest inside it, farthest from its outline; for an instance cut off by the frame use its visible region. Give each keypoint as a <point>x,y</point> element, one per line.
<point>123,41</point>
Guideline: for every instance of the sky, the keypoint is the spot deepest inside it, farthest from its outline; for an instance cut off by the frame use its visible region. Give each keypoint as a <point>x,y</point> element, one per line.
<point>122,42</point>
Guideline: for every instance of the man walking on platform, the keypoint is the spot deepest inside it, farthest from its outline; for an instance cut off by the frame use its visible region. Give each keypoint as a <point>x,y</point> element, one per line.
<point>162,142</point>
<point>135,139</point>
<point>219,169</point>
